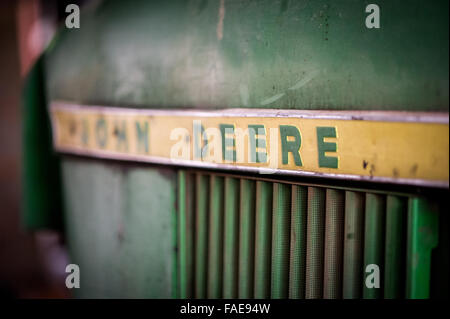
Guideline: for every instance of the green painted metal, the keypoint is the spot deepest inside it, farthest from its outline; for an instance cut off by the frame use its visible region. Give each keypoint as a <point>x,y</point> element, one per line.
<point>270,54</point>
<point>201,234</point>
<point>440,258</point>
<point>281,216</point>
<point>246,238</point>
<point>353,245</point>
<point>186,208</point>
<point>395,251</point>
<point>215,247</point>
<point>315,243</point>
<point>42,199</point>
<point>423,234</point>
<point>159,54</point>
<point>374,241</point>
<point>297,259</point>
<point>181,200</point>
<point>275,240</point>
<point>116,223</point>
<point>231,238</point>
<point>334,235</point>
<point>263,239</point>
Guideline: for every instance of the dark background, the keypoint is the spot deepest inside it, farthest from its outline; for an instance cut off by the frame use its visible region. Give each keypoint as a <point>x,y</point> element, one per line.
<point>32,264</point>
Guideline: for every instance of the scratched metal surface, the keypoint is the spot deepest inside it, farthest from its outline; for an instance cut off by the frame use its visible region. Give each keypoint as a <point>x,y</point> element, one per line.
<point>266,54</point>
<point>119,228</point>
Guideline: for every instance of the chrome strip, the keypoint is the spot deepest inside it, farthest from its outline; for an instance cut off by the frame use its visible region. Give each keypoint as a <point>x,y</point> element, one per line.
<point>386,116</point>
<point>260,170</point>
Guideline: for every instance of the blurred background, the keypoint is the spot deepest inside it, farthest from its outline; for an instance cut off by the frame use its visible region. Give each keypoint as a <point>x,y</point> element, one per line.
<point>32,265</point>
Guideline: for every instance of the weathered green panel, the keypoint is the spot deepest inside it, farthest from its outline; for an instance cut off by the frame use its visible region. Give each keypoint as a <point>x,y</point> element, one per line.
<point>263,239</point>
<point>423,234</point>
<point>315,243</point>
<point>215,249</point>
<point>353,245</point>
<point>297,259</point>
<point>281,225</point>
<point>231,238</point>
<point>118,218</point>
<point>394,266</point>
<point>374,240</point>
<point>275,54</point>
<point>334,234</point>
<point>246,238</point>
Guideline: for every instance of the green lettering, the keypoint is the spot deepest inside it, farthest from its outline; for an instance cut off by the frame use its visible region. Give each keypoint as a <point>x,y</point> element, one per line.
<point>290,146</point>
<point>142,136</point>
<point>200,140</point>
<point>255,156</point>
<point>121,135</point>
<point>326,161</point>
<point>101,132</point>
<point>228,144</point>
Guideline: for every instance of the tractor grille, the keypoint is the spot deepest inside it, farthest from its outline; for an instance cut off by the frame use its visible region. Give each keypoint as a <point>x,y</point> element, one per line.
<point>249,238</point>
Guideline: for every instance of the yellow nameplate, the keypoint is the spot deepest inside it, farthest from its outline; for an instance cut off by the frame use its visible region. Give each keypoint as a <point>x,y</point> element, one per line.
<point>402,147</point>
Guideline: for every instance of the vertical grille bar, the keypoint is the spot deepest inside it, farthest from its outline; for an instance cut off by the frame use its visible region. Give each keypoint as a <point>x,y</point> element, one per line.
<point>240,238</point>
<point>201,235</point>
<point>374,240</point>
<point>314,242</point>
<point>297,260</point>
<point>423,236</point>
<point>186,191</point>
<point>353,245</point>
<point>280,240</point>
<point>263,239</point>
<point>246,238</point>
<point>215,247</point>
<point>396,208</point>
<point>334,231</point>
<point>231,239</point>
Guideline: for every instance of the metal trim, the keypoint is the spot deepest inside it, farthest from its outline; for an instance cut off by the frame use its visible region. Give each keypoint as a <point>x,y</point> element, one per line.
<point>389,116</point>
<point>381,116</point>
<point>249,169</point>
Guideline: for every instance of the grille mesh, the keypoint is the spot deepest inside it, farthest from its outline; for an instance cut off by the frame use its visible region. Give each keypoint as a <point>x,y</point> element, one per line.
<point>215,245</point>
<point>374,238</point>
<point>231,238</point>
<point>353,245</point>
<point>280,240</point>
<point>201,234</point>
<point>297,262</point>
<point>246,238</point>
<point>263,239</point>
<point>334,231</point>
<point>314,242</point>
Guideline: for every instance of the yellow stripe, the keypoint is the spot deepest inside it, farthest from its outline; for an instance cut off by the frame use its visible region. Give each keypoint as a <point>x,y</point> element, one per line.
<point>368,149</point>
